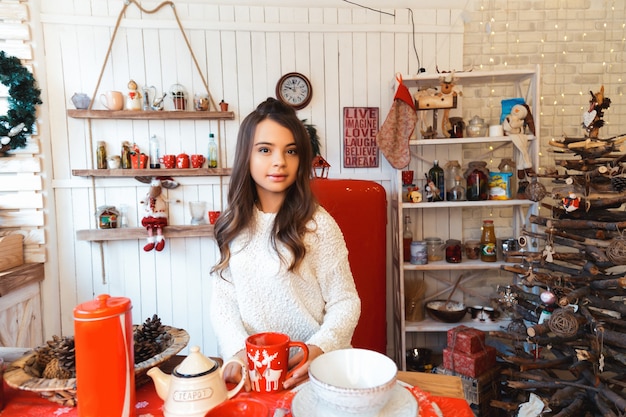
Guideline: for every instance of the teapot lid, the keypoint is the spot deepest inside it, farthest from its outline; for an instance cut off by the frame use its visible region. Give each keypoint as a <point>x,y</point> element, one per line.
<point>195,364</point>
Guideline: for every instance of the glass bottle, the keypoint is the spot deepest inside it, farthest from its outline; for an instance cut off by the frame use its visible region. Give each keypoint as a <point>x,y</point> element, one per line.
<point>212,155</point>
<point>154,152</point>
<point>101,155</point>
<point>477,179</point>
<point>452,170</point>
<point>436,175</point>
<point>407,238</point>
<point>488,242</point>
<point>457,192</point>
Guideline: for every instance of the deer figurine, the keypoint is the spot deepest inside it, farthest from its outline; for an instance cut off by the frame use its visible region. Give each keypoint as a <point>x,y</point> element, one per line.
<point>155,217</point>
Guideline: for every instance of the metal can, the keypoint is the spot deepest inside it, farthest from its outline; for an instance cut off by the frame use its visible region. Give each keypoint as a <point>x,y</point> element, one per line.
<point>419,254</point>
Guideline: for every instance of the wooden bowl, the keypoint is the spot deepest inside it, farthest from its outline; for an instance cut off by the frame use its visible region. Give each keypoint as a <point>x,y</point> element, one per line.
<point>452,312</point>
<point>63,391</point>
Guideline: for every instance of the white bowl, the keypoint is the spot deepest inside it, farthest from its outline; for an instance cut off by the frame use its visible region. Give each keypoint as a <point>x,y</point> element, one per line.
<point>353,381</point>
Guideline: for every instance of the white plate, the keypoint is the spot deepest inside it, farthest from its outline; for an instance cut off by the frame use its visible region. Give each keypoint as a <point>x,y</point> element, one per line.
<point>306,404</point>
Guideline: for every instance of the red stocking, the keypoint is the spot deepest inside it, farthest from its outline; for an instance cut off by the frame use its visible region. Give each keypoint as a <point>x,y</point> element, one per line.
<point>393,137</point>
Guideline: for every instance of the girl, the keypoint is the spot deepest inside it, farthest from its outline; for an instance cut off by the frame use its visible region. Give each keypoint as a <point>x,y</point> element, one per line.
<point>283,261</point>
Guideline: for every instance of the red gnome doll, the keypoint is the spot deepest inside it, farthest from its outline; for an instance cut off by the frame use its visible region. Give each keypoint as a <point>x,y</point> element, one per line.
<point>156,213</point>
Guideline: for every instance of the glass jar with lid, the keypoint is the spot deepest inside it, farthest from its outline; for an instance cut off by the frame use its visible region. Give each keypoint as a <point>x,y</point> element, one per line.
<point>434,248</point>
<point>476,127</point>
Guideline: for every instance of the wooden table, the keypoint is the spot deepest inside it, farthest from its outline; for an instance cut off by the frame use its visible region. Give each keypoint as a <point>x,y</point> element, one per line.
<point>446,390</point>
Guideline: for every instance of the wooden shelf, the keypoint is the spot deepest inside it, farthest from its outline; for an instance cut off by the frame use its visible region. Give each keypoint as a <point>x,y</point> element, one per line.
<point>473,77</point>
<point>19,276</point>
<point>474,264</point>
<point>130,233</point>
<point>464,140</point>
<point>160,172</point>
<point>480,203</point>
<point>430,325</point>
<point>151,115</point>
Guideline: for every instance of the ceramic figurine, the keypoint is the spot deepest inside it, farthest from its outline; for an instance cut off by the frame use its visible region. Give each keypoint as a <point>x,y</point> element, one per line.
<point>133,98</point>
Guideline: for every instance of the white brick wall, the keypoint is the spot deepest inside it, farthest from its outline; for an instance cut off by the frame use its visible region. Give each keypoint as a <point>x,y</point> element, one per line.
<point>579,45</point>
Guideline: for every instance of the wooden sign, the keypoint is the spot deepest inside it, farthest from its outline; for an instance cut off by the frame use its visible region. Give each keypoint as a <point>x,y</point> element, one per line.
<point>360,126</point>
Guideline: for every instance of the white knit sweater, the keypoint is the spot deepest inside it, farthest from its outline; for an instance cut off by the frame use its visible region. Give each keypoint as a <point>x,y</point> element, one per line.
<point>318,304</point>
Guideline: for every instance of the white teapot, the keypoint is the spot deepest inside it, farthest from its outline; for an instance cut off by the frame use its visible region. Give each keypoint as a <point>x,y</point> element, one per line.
<point>195,386</point>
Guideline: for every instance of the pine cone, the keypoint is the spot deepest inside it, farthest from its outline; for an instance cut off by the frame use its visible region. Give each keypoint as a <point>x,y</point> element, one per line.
<point>151,338</point>
<point>65,353</point>
<point>43,355</point>
<point>54,370</point>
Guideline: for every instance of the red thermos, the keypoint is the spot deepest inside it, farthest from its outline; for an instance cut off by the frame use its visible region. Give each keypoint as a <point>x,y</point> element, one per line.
<point>105,358</point>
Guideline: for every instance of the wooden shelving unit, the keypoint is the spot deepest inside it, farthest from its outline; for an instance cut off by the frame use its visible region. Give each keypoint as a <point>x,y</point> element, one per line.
<point>188,172</point>
<point>151,115</point>
<point>446,219</point>
<point>130,233</point>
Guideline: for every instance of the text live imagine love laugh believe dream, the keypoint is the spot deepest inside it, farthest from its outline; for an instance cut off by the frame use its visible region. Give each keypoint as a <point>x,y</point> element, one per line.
<point>360,126</point>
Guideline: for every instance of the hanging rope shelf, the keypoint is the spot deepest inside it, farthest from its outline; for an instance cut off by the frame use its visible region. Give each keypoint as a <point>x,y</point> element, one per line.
<point>213,112</point>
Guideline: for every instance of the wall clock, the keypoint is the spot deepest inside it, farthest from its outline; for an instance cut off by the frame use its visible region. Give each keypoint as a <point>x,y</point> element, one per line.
<point>295,90</point>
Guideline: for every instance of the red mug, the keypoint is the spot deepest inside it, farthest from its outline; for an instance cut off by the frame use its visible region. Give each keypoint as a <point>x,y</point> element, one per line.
<point>168,161</point>
<point>197,161</point>
<point>182,161</point>
<point>268,360</point>
<point>213,215</point>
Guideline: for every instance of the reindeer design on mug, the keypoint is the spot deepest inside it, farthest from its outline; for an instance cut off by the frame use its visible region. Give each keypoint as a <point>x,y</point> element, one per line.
<point>271,375</point>
<point>263,371</point>
<point>254,374</point>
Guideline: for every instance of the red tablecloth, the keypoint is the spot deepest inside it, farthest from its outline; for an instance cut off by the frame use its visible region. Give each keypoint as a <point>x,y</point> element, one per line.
<point>20,403</point>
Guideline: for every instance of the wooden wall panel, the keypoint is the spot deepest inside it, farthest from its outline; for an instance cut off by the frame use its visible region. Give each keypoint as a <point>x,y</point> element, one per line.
<point>350,55</point>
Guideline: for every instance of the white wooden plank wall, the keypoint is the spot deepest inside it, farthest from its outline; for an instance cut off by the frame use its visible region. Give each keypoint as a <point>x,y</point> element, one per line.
<point>350,54</point>
<point>21,199</point>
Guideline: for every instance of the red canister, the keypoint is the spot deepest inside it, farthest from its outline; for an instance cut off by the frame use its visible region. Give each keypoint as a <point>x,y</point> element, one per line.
<point>105,359</point>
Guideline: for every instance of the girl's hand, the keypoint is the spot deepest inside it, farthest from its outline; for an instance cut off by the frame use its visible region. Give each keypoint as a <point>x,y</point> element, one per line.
<point>232,371</point>
<point>302,373</point>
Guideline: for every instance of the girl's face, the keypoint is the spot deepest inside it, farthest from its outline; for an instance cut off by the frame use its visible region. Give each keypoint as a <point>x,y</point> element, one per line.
<point>273,163</point>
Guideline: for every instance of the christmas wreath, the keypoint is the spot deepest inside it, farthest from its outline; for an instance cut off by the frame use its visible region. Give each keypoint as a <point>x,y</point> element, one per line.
<point>17,124</point>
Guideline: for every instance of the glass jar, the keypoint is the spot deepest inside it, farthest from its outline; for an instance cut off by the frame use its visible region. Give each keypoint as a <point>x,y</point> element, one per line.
<point>101,155</point>
<point>434,247</point>
<point>453,251</point>
<point>125,156</point>
<point>477,179</point>
<point>472,249</point>
<point>488,251</point>
<point>476,127</point>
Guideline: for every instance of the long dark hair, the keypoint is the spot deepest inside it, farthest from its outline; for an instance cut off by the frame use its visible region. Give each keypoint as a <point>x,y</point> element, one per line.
<point>299,204</point>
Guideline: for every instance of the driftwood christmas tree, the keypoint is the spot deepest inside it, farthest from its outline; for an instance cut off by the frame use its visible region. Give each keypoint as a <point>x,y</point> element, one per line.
<point>568,337</point>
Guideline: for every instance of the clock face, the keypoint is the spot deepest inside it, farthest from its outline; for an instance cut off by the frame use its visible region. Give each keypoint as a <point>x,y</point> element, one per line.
<point>295,90</point>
